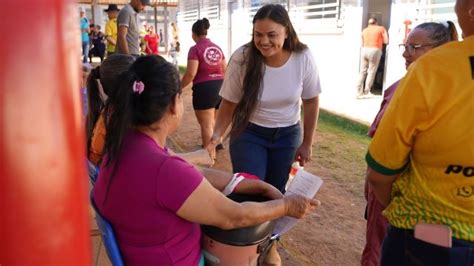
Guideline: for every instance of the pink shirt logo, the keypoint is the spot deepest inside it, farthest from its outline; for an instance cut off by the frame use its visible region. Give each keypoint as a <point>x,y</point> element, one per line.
<point>212,55</point>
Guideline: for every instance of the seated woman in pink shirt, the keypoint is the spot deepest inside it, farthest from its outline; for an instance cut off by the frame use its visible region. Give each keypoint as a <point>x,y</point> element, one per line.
<point>205,69</point>
<point>422,39</point>
<point>155,201</point>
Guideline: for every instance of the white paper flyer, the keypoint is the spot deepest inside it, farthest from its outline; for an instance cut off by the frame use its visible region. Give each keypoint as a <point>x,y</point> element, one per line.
<point>304,184</point>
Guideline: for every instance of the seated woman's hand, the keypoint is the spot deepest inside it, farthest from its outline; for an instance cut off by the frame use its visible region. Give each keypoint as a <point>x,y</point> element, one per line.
<point>298,206</point>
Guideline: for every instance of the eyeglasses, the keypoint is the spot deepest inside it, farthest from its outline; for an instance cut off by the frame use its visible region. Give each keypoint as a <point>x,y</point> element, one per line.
<point>411,48</point>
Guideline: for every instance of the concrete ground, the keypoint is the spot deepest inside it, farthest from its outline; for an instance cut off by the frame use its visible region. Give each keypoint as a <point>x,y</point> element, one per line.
<point>346,104</point>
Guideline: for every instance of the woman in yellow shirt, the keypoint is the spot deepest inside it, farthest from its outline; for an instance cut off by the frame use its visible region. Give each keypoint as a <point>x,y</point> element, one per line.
<point>421,159</point>
<point>422,39</point>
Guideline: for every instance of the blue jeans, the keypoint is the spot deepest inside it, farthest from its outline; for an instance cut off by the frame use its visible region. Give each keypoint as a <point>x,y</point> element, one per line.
<point>85,51</point>
<point>266,152</point>
<point>401,248</point>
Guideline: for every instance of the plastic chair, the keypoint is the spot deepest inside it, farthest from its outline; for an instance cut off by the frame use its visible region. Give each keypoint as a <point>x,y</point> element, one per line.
<point>108,237</point>
<point>93,172</point>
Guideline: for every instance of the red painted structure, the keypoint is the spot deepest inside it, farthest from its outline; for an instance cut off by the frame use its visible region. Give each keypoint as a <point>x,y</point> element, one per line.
<point>44,211</point>
<point>407,24</point>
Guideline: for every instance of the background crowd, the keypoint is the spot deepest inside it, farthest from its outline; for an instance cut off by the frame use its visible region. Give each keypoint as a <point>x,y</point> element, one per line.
<point>96,43</point>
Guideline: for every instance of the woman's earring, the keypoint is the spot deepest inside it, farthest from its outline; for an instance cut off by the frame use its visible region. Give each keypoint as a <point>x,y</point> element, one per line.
<point>471,13</point>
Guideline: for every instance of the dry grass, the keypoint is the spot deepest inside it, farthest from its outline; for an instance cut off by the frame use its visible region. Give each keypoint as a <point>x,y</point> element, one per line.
<point>340,150</point>
<point>334,234</point>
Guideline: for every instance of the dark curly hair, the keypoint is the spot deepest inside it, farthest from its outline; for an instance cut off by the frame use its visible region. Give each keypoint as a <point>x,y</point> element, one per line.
<point>201,26</point>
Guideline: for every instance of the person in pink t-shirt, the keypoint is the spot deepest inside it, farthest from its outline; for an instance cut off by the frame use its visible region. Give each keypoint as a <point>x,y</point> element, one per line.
<point>205,69</point>
<point>422,39</point>
<point>154,200</point>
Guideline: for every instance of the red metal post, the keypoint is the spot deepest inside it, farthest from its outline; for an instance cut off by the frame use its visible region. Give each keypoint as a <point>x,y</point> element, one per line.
<point>44,211</point>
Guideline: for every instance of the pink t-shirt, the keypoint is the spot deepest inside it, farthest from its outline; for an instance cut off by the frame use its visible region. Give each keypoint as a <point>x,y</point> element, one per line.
<point>147,190</point>
<point>210,58</point>
<point>387,96</point>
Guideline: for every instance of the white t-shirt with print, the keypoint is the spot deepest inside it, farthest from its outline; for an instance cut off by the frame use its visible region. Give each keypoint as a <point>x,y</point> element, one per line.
<point>279,104</point>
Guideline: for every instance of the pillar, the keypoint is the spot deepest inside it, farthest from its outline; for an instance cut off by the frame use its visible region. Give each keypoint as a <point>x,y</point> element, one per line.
<point>44,211</point>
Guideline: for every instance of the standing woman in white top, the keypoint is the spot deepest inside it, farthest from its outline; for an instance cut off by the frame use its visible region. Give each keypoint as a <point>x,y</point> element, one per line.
<point>265,83</point>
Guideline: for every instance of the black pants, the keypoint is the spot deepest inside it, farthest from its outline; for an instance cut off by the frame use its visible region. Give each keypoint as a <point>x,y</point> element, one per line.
<point>401,248</point>
<point>96,52</point>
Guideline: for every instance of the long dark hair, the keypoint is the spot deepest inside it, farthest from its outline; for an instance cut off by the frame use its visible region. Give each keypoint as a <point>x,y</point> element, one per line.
<point>255,66</point>
<point>107,74</point>
<point>126,109</point>
<point>440,33</point>
<point>201,26</point>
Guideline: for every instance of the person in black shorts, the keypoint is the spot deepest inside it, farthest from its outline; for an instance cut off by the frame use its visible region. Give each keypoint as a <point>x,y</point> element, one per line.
<point>206,95</point>
<point>205,69</point>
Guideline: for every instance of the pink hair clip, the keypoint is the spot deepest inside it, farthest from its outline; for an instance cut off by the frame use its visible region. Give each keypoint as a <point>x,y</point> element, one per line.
<point>138,86</point>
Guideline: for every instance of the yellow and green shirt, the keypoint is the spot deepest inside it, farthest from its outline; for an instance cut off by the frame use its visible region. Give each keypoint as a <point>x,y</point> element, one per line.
<point>111,31</point>
<point>427,136</point>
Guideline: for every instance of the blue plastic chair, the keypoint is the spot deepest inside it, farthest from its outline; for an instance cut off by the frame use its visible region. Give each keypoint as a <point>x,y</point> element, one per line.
<point>108,237</point>
<point>93,172</point>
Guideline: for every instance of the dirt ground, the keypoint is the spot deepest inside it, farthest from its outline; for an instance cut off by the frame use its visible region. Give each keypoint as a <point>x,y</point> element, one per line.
<point>335,233</point>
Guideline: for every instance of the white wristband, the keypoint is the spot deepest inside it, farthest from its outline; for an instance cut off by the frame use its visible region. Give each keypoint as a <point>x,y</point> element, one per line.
<point>236,179</point>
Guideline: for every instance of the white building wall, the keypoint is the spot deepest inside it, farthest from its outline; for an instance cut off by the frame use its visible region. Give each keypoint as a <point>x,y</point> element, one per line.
<point>335,43</point>
<point>417,12</point>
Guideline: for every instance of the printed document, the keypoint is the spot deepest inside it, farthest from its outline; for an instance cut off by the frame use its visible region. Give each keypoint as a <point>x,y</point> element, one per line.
<point>304,184</point>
